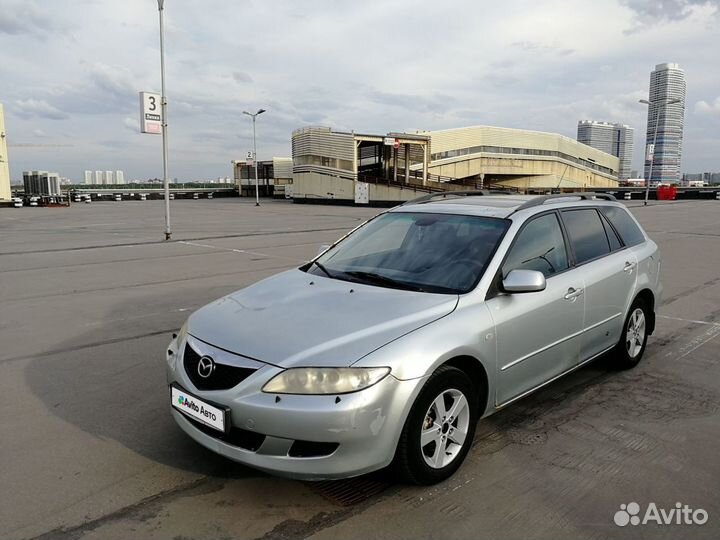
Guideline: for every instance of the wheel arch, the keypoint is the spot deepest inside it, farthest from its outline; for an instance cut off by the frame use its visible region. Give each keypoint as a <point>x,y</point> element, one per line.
<point>478,375</point>
<point>648,297</point>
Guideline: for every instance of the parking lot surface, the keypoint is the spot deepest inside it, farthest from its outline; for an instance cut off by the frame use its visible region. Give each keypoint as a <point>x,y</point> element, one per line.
<point>90,295</point>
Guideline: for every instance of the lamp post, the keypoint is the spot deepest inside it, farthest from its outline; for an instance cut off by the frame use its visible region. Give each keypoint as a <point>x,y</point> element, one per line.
<point>257,189</point>
<point>163,107</point>
<point>658,103</point>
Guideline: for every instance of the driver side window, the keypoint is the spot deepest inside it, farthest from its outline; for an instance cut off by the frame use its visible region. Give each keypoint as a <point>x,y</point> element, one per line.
<point>539,246</point>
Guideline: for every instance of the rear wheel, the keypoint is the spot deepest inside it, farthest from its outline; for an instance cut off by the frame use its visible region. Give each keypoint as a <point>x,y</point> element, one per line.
<point>633,340</point>
<point>439,430</point>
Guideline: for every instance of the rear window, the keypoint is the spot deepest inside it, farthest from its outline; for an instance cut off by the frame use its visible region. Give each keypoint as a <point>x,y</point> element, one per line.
<point>625,225</point>
<point>587,234</point>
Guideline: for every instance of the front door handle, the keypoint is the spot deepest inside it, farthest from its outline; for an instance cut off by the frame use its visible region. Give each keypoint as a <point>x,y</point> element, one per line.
<point>573,293</point>
<point>629,266</point>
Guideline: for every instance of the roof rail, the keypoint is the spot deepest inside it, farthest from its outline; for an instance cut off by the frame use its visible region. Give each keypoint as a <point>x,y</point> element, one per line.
<point>583,195</point>
<point>456,194</point>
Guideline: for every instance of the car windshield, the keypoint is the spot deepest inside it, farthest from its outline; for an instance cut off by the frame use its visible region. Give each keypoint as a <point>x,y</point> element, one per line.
<point>440,253</point>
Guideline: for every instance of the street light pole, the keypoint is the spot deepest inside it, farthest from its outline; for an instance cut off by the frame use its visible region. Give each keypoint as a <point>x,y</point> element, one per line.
<point>163,106</point>
<point>657,122</point>
<point>257,189</point>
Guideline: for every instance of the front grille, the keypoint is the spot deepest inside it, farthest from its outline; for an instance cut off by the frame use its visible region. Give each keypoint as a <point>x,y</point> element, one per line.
<point>221,378</point>
<point>242,438</point>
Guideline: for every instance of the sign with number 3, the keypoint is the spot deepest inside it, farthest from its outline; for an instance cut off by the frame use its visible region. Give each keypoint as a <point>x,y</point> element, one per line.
<point>150,113</point>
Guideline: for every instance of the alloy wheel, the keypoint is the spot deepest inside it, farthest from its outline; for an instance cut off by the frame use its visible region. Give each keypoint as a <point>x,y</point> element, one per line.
<point>444,428</point>
<point>635,333</point>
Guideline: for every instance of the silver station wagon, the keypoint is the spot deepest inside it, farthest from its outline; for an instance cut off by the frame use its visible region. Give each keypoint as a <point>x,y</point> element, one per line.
<point>389,347</point>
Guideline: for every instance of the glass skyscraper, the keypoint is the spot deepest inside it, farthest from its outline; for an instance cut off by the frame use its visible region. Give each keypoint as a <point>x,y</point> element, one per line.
<point>667,82</point>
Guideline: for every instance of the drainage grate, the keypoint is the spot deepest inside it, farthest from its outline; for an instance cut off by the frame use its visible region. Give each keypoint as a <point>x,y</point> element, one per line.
<point>350,491</point>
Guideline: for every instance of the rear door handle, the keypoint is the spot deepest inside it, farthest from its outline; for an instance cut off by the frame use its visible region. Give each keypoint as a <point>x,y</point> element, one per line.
<point>629,266</point>
<point>573,293</point>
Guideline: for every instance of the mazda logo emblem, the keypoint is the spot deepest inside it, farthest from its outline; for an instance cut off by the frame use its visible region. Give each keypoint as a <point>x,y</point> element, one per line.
<point>206,366</point>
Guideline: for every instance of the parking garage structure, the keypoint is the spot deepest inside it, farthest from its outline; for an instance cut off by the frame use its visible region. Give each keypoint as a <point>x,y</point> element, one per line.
<point>359,167</point>
<point>366,168</point>
<point>273,176</point>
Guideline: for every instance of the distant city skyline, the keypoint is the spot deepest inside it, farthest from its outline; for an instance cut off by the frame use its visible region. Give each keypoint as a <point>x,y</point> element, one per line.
<point>709,177</point>
<point>667,84</point>
<point>72,76</point>
<point>613,138</point>
<point>103,177</point>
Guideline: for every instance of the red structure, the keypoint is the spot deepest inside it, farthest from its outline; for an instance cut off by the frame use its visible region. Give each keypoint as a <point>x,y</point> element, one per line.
<point>666,193</point>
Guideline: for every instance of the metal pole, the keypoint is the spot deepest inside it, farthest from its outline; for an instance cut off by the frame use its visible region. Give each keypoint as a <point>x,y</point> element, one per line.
<point>407,163</point>
<point>395,163</point>
<point>163,105</point>
<point>425,164</point>
<point>257,189</point>
<point>652,156</point>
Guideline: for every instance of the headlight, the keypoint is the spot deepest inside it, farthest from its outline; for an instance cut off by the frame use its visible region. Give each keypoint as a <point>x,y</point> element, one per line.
<point>324,380</point>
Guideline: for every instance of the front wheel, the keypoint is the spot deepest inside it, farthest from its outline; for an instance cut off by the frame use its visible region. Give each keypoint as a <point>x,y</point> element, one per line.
<point>633,340</point>
<point>439,429</point>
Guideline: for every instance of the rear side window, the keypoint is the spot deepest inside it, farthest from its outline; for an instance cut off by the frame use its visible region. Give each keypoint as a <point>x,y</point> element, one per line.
<point>625,225</point>
<point>612,236</point>
<point>539,246</point>
<point>587,234</point>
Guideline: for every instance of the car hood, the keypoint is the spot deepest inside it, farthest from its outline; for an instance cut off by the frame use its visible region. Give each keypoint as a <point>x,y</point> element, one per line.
<point>299,319</point>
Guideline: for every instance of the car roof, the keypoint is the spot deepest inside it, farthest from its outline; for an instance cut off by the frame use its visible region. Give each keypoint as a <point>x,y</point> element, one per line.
<point>500,206</point>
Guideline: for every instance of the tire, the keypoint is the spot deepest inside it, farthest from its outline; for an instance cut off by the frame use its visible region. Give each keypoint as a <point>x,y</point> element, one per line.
<point>633,340</point>
<point>443,451</point>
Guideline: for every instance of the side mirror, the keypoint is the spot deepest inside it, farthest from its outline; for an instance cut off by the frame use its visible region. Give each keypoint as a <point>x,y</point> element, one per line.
<point>322,248</point>
<point>523,281</point>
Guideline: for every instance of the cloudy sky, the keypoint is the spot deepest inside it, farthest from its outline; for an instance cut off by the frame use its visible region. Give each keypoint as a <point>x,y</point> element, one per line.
<point>71,71</point>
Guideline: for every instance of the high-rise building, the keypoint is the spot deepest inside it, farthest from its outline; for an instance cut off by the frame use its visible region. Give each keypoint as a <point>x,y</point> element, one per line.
<point>105,177</point>
<point>667,82</point>
<point>41,183</point>
<point>5,193</point>
<point>614,139</point>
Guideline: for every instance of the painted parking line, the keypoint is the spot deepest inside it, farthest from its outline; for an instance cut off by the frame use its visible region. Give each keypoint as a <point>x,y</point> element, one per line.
<point>694,321</point>
<point>696,342</point>
<point>242,251</point>
<point>143,316</point>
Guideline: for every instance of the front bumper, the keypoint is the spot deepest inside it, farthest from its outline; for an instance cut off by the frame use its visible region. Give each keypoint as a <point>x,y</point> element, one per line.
<point>365,425</point>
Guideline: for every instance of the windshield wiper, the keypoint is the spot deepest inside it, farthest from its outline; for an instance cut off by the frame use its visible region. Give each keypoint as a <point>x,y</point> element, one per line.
<point>321,267</point>
<point>544,258</point>
<point>372,277</point>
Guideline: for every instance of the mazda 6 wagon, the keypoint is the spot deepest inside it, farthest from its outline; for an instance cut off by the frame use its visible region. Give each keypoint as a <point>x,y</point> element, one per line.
<point>388,348</point>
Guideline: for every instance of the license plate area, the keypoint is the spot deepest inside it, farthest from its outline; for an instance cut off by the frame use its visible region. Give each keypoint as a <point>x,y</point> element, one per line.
<point>201,410</point>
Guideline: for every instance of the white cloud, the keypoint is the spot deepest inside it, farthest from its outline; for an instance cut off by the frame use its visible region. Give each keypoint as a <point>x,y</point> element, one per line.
<point>133,124</point>
<point>20,17</point>
<point>29,108</point>
<point>649,12</point>
<point>242,77</point>
<point>703,107</point>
